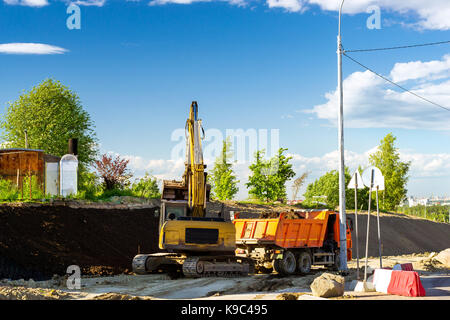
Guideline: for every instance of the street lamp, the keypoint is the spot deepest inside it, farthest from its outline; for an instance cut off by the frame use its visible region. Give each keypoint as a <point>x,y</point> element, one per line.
<point>342,215</point>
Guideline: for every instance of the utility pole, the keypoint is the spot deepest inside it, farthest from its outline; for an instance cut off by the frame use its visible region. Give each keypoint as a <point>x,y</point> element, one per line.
<point>342,215</point>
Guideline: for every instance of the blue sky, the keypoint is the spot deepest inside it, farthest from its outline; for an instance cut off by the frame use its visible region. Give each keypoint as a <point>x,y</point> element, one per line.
<point>137,65</point>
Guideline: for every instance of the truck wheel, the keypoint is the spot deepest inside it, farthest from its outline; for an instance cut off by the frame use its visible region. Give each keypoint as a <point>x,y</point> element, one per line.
<point>288,264</point>
<point>304,262</point>
<point>337,261</point>
<point>277,266</point>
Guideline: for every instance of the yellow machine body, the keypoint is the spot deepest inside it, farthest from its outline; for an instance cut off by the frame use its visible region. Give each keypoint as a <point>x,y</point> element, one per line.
<point>197,236</point>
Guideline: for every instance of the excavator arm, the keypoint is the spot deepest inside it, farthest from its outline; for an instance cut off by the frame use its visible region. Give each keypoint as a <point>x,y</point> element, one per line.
<point>195,176</point>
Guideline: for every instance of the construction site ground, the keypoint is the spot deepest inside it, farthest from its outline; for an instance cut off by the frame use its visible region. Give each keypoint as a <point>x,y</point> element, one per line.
<point>39,242</point>
<point>435,279</point>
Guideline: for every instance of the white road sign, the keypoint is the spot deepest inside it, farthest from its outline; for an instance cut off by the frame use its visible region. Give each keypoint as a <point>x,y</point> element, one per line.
<point>378,179</point>
<point>357,181</point>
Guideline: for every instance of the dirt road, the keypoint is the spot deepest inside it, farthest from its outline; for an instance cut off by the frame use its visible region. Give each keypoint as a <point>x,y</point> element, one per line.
<point>435,279</point>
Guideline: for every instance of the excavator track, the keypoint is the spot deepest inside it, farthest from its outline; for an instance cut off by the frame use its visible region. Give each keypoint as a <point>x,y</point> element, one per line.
<point>150,263</point>
<point>216,266</point>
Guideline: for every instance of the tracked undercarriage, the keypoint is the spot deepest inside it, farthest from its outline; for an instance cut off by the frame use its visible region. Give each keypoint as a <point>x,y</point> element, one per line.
<point>193,266</point>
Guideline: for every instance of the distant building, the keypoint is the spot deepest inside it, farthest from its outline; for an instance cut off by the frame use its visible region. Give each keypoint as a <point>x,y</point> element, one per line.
<point>434,201</point>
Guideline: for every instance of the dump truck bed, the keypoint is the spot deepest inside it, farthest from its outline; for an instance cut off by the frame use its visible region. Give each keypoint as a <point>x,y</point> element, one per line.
<point>308,230</point>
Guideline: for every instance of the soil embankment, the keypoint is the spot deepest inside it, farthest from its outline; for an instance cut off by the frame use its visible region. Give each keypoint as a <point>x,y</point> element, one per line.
<point>39,241</point>
<point>400,234</point>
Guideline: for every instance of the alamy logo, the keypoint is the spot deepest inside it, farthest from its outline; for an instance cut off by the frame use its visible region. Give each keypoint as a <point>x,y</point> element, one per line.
<point>74,20</point>
<point>244,144</point>
<point>74,279</point>
<point>374,21</point>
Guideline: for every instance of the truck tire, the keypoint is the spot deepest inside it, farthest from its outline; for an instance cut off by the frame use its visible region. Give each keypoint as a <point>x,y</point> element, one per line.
<point>337,261</point>
<point>304,262</point>
<point>277,266</point>
<point>288,264</point>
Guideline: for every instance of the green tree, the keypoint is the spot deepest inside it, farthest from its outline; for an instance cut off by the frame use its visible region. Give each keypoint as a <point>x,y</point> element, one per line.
<point>51,114</point>
<point>222,178</point>
<point>395,172</point>
<point>268,179</point>
<point>328,187</point>
<point>146,187</point>
<point>89,186</point>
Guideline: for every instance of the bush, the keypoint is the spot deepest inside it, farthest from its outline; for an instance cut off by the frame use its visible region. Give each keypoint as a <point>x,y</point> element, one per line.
<point>146,187</point>
<point>436,213</point>
<point>89,186</point>
<point>8,191</point>
<point>36,192</point>
<point>107,194</point>
<point>113,171</point>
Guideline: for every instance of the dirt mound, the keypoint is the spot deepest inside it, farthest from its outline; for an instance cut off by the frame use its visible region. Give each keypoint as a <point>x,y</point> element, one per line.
<point>22,293</point>
<point>400,234</point>
<point>38,242</point>
<point>288,215</point>
<point>289,295</point>
<point>118,296</point>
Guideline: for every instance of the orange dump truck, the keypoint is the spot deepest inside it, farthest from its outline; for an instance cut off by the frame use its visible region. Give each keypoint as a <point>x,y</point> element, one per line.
<point>292,245</point>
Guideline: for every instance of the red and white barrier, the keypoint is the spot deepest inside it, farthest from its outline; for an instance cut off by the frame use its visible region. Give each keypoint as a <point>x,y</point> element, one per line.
<point>402,283</point>
<point>403,267</point>
<point>406,283</point>
<point>381,280</point>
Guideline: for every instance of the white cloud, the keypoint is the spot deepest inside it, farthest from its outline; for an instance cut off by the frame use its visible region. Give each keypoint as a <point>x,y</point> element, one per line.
<point>239,3</point>
<point>162,2</point>
<point>431,70</point>
<point>30,48</point>
<point>95,3</point>
<point>433,14</point>
<point>370,102</point>
<point>28,3</point>
<point>289,5</point>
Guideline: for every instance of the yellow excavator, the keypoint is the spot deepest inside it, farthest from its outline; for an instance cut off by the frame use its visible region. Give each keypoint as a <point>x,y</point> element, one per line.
<point>192,243</point>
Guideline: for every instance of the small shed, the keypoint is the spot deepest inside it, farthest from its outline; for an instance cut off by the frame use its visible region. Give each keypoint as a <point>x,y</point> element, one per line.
<point>16,164</point>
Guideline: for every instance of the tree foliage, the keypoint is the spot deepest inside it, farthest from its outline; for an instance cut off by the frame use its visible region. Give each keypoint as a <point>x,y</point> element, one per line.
<point>146,187</point>
<point>89,186</point>
<point>51,114</point>
<point>395,172</point>
<point>437,213</point>
<point>223,180</point>
<point>326,189</point>
<point>268,179</point>
<point>113,171</point>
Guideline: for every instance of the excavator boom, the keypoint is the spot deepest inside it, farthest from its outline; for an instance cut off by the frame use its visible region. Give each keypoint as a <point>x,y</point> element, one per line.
<point>196,173</point>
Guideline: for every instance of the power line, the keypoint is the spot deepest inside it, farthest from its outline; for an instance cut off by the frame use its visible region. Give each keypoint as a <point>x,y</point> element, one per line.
<point>400,47</point>
<point>395,84</point>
